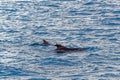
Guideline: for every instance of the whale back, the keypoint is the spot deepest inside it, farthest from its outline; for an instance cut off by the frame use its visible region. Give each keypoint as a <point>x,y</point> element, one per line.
<point>60,47</point>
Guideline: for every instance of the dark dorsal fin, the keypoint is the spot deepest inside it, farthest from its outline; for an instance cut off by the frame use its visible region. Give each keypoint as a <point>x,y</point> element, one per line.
<point>46,42</point>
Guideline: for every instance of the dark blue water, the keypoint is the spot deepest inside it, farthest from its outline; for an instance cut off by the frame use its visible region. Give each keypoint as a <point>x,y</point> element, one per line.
<point>93,24</point>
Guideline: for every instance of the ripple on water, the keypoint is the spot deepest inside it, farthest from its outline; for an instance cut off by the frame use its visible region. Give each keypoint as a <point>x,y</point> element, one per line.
<point>56,61</point>
<point>8,71</point>
<point>39,79</point>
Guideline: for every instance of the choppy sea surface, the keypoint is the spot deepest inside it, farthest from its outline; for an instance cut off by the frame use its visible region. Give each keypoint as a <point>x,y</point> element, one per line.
<point>92,24</point>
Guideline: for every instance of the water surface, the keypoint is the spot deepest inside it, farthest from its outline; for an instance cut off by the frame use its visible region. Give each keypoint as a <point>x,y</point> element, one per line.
<point>93,24</point>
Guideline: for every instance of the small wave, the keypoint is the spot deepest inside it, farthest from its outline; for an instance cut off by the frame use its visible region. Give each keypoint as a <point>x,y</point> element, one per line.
<point>35,44</point>
<point>8,70</point>
<point>110,75</point>
<point>92,48</point>
<point>55,61</point>
<point>39,79</point>
<point>111,24</point>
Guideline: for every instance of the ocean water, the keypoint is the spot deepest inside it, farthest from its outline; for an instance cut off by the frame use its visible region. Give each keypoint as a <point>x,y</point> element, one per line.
<point>92,24</point>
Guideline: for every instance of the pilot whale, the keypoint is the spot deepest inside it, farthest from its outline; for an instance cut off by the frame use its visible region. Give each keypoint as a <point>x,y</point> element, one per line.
<point>63,48</point>
<point>45,42</point>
